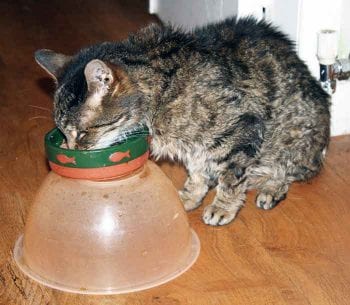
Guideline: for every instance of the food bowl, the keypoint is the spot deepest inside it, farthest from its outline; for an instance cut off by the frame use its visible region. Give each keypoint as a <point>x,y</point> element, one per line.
<point>105,221</point>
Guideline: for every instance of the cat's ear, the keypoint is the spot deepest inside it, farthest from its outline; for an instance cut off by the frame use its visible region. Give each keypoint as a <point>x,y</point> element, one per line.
<point>53,63</point>
<point>99,77</point>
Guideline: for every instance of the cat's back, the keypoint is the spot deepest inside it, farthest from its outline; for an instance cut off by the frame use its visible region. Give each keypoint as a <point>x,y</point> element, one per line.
<point>234,33</point>
<point>258,51</point>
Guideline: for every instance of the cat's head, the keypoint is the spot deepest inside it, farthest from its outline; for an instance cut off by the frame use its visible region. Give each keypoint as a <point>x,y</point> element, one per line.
<point>95,102</point>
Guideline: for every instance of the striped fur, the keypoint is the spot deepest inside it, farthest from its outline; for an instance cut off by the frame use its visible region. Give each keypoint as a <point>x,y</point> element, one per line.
<point>231,101</point>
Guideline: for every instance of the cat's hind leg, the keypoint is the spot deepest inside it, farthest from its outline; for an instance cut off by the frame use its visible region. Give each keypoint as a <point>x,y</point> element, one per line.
<point>230,197</point>
<point>272,184</point>
<point>271,195</point>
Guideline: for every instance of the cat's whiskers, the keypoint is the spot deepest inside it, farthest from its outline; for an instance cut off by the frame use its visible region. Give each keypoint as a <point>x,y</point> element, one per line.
<point>39,117</point>
<point>39,107</point>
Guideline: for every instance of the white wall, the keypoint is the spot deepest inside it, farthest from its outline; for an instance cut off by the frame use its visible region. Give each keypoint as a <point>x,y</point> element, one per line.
<point>341,98</point>
<point>284,14</point>
<point>189,14</point>
<point>340,122</point>
<point>344,41</point>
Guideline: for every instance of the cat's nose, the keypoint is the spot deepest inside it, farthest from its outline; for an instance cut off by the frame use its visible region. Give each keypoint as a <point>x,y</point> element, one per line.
<point>71,140</point>
<point>71,143</point>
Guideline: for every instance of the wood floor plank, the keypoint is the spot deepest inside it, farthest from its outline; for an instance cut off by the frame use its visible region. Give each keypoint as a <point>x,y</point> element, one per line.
<point>297,253</point>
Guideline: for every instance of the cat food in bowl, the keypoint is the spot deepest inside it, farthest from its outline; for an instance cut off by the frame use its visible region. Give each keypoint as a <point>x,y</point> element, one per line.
<point>105,221</point>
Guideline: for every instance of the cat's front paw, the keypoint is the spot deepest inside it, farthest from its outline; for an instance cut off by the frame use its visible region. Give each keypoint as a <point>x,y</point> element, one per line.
<point>217,216</point>
<point>188,202</point>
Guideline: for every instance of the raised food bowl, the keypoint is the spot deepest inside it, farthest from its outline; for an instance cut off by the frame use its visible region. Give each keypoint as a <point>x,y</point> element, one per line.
<point>112,223</point>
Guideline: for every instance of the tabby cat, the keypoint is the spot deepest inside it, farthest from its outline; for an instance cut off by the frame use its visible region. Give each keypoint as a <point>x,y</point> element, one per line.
<point>231,101</point>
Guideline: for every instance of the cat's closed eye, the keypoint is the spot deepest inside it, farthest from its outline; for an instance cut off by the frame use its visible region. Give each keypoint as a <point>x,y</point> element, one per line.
<point>81,135</point>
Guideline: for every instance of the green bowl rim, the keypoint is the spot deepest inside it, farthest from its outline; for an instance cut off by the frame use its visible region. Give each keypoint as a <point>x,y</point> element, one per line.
<point>135,145</point>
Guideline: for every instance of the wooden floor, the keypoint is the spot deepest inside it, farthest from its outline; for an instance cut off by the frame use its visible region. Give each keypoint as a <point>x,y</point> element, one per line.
<point>298,253</point>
